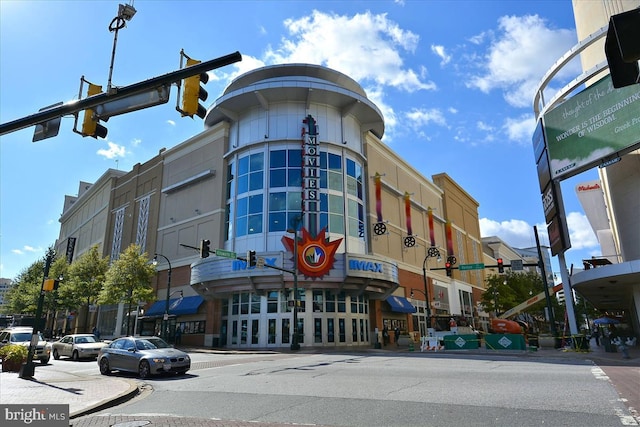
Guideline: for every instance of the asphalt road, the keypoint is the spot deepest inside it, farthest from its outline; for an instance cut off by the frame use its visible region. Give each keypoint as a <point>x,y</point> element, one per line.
<point>408,389</point>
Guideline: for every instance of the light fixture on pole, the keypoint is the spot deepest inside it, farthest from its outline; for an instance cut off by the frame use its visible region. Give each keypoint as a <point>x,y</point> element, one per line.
<point>165,318</point>
<point>432,252</point>
<point>295,345</point>
<point>125,13</point>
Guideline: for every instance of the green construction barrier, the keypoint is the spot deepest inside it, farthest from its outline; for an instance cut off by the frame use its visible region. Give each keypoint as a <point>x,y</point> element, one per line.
<point>461,342</point>
<point>505,342</point>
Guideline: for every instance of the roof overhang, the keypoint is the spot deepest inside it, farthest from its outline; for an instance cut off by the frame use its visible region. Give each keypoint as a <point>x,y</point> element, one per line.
<point>609,287</point>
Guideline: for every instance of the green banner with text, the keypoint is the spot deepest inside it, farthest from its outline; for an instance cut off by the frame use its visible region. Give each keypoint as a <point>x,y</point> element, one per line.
<point>593,125</point>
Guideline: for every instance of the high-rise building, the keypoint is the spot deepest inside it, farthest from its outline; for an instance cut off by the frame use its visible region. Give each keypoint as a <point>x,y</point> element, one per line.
<point>611,281</point>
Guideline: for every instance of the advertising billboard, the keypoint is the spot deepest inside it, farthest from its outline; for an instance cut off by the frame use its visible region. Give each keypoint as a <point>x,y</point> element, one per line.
<point>594,126</point>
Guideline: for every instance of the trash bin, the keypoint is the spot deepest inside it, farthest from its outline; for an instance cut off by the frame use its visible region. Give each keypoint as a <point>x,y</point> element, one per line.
<point>580,342</point>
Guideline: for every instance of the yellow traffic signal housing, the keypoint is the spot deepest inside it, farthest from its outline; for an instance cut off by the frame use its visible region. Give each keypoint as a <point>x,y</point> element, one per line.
<point>194,93</point>
<point>90,125</point>
<point>50,285</point>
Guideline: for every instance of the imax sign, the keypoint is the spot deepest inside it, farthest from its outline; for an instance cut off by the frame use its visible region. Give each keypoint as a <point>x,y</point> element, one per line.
<point>359,265</point>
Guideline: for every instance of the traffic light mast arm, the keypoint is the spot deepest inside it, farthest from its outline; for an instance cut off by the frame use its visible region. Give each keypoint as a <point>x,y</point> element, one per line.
<point>73,107</point>
<point>488,266</point>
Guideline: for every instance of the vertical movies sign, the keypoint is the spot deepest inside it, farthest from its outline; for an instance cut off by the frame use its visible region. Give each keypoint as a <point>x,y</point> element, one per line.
<point>593,126</point>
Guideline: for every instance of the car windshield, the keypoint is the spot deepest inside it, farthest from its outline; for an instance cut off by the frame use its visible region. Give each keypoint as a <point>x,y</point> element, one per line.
<point>151,343</point>
<point>21,337</point>
<point>86,340</point>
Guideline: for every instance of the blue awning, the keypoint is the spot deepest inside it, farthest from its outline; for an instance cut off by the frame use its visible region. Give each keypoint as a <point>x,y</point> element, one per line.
<point>400,304</point>
<point>177,306</point>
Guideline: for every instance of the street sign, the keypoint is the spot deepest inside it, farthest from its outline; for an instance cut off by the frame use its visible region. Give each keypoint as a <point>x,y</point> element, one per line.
<point>516,265</point>
<point>464,267</point>
<point>226,254</point>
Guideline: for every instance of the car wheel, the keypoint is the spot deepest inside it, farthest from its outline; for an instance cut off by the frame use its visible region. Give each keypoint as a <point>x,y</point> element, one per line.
<point>44,361</point>
<point>75,355</point>
<point>56,355</point>
<point>104,366</point>
<point>144,370</point>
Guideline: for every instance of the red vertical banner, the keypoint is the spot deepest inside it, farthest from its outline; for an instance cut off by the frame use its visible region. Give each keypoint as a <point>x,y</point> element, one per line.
<point>378,183</point>
<point>447,228</point>
<point>407,210</point>
<point>432,236</point>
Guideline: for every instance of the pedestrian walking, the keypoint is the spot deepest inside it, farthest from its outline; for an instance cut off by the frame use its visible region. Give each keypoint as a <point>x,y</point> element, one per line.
<point>396,332</point>
<point>596,335</point>
<point>385,335</point>
<point>178,337</point>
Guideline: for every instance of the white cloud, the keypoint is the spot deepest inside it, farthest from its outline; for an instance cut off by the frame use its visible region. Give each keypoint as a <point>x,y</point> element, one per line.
<point>419,117</point>
<point>484,126</point>
<point>519,234</point>
<point>114,151</point>
<point>520,129</point>
<point>440,51</point>
<point>520,53</point>
<point>580,232</point>
<point>348,44</point>
<point>515,232</point>
<point>136,141</point>
<point>171,122</point>
<point>25,249</point>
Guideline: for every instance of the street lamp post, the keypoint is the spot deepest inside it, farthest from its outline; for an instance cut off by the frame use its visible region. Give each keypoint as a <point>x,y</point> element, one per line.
<point>28,368</point>
<point>432,252</point>
<point>165,318</point>
<point>295,345</point>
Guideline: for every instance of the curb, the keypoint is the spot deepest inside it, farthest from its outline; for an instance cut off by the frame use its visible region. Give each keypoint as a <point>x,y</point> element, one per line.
<point>133,391</point>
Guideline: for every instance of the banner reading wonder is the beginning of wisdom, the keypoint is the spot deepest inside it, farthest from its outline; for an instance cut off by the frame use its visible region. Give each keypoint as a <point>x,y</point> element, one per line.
<point>596,124</point>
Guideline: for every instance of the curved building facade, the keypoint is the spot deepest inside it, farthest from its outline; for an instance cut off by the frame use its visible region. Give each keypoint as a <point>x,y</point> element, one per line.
<point>291,167</point>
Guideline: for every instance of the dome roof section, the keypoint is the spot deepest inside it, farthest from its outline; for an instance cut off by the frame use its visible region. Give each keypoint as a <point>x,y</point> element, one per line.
<point>296,83</point>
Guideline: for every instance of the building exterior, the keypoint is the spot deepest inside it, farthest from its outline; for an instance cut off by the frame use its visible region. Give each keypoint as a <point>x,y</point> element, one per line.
<point>5,285</point>
<point>610,282</point>
<point>83,224</point>
<point>291,162</point>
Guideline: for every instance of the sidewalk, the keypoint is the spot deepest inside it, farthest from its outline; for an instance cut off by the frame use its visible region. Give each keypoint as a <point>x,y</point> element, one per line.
<point>90,394</point>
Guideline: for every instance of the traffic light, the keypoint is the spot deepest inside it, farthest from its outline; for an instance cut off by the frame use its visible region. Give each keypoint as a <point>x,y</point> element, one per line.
<point>50,285</point>
<point>251,258</point>
<point>621,48</point>
<point>447,266</point>
<point>204,248</point>
<point>194,93</point>
<point>90,125</point>
<point>500,266</point>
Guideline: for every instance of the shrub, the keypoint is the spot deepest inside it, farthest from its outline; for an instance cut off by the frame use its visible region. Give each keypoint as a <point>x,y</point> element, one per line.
<point>14,353</point>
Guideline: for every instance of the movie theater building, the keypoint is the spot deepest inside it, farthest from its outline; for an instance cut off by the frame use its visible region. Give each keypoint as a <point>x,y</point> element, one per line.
<point>291,165</point>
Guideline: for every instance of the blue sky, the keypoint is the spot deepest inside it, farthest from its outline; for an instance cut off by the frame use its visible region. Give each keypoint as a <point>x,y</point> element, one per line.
<point>455,81</point>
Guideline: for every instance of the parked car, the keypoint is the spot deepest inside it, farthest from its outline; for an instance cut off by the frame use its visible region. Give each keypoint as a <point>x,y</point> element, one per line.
<point>22,335</point>
<point>145,356</point>
<point>77,346</point>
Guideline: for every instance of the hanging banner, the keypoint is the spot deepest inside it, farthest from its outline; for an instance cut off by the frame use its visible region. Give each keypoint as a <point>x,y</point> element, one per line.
<point>447,228</point>
<point>379,227</point>
<point>409,241</point>
<point>432,236</point>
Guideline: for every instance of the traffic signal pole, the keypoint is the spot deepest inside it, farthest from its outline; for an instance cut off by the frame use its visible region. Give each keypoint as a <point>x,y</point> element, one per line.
<point>117,93</point>
<point>28,369</point>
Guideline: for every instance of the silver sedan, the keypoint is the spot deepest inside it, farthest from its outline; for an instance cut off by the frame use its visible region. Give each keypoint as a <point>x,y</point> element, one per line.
<point>77,346</point>
<point>144,356</point>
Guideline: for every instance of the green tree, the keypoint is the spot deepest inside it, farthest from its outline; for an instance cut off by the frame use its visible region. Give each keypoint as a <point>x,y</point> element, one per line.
<point>84,281</point>
<point>128,280</point>
<point>509,290</point>
<point>22,298</point>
